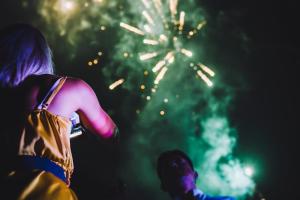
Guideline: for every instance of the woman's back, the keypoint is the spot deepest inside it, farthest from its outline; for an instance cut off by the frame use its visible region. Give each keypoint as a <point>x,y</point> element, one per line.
<point>39,131</point>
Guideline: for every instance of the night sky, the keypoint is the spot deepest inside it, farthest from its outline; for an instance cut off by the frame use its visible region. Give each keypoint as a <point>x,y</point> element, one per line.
<point>253,47</point>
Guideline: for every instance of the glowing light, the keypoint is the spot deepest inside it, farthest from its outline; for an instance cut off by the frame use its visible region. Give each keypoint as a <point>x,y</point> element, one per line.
<point>146,73</point>
<point>170,57</point>
<point>67,5</point>
<point>125,54</point>
<point>200,25</point>
<point>143,87</point>
<point>116,84</point>
<point>186,52</point>
<point>162,112</point>
<point>173,6</point>
<point>205,78</point>
<point>95,61</point>
<point>206,69</point>
<point>90,63</point>
<point>181,20</point>
<point>160,75</point>
<point>148,98</point>
<point>102,28</point>
<point>148,56</point>
<point>166,100</point>
<point>163,38</point>
<point>158,66</point>
<point>132,29</point>
<point>151,42</point>
<point>249,171</point>
<point>148,17</point>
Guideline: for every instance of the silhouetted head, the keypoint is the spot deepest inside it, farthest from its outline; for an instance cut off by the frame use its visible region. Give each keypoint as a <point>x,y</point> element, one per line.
<point>176,172</point>
<point>23,52</point>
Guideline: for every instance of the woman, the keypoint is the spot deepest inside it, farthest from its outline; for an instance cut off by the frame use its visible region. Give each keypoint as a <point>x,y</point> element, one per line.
<point>35,122</point>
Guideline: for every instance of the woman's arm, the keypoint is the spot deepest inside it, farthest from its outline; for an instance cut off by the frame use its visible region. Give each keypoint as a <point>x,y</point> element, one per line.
<point>92,116</point>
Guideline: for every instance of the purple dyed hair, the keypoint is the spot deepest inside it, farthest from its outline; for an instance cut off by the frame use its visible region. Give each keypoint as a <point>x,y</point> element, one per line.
<point>23,52</point>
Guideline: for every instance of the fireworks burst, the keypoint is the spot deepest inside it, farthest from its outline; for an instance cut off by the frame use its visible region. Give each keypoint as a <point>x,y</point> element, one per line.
<point>164,39</point>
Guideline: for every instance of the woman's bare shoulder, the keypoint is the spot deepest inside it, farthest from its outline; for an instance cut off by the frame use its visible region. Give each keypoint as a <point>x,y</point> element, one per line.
<point>77,85</point>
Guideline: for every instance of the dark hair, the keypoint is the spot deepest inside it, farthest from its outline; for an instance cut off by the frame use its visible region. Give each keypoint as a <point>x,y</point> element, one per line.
<point>23,51</point>
<point>165,157</point>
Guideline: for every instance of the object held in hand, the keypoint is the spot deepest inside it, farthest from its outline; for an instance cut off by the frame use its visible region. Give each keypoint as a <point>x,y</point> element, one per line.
<point>77,128</point>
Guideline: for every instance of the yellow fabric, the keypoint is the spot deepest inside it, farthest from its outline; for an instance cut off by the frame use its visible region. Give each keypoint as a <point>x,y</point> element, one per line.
<point>39,185</point>
<point>45,135</point>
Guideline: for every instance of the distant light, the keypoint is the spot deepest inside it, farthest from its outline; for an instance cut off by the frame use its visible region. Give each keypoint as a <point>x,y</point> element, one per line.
<point>143,87</point>
<point>95,61</point>
<point>100,53</point>
<point>153,90</point>
<point>68,5</point>
<point>162,112</point>
<point>248,171</point>
<point>102,28</point>
<point>125,54</point>
<point>137,111</point>
<point>90,63</point>
<point>146,73</point>
<point>148,98</point>
<point>166,100</point>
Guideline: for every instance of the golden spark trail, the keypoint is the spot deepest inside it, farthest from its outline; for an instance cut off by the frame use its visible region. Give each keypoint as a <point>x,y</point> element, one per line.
<point>158,66</point>
<point>186,52</point>
<point>207,69</point>
<point>148,17</point>
<point>132,28</point>
<point>160,75</point>
<point>181,20</point>
<point>150,42</point>
<point>147,56</point>
<point>204,78</point>
<point>116,84</point>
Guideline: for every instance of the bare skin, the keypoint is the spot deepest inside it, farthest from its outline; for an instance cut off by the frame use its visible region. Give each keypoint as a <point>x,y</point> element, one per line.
<point>74,96</point>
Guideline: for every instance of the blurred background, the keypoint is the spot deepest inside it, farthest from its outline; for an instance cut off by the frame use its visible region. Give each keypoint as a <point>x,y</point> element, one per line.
<point>214,78</point>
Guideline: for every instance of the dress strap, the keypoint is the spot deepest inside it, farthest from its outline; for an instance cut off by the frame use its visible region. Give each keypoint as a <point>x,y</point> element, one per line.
<point>51,93</point>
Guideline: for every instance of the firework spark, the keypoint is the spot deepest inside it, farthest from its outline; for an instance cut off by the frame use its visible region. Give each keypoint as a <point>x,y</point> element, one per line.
<point>164,38</point>
<point>116,84</point>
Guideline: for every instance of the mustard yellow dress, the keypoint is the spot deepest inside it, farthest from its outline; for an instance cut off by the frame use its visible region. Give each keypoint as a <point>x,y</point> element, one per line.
<point>46,137</point>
